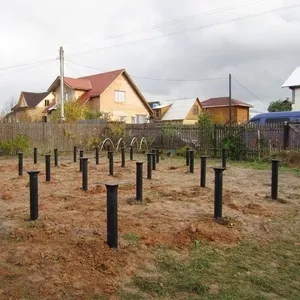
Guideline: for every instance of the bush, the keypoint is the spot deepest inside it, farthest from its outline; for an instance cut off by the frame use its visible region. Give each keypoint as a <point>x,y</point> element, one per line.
<point>236,147</point>
<point>19,143</point>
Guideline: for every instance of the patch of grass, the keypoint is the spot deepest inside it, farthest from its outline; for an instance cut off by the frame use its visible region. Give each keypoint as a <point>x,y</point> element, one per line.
<point>247,271</point>
<point>131,237</point>
<point>263,165</point>
<point>130,296</point>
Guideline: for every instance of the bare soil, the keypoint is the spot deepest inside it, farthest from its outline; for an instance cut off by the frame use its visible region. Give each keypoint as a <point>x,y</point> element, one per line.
<point>64,254</point>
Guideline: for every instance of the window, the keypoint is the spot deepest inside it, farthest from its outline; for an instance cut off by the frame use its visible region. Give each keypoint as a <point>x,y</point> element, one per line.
<point>67,96</point>
<point>278,120</point>
<point>46,103</point>
<point>120,96</point>
<point>122,118</point>
<point>157,113</point>
<point>141,119</point>
<point>195,110</point>
<point>132,120</point>
<point>255,121</point>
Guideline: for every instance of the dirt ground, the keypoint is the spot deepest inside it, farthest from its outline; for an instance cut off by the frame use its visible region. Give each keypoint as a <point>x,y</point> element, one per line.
<point>64,255</point>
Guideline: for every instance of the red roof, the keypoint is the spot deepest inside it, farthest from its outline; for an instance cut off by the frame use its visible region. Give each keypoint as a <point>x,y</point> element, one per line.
<point>80,84</point>
<point>223,101</point>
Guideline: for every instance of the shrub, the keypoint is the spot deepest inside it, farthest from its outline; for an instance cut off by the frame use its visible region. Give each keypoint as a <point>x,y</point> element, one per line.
<point>19,143</point>
<point>236,147</point>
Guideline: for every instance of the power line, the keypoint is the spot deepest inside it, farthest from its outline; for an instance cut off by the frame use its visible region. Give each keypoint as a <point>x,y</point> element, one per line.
<point>69,65</point>
<point>188,30</point>
<point>245,88</point>
<point>150,78</point>
<point>26,64</point>
<point>181,20</point>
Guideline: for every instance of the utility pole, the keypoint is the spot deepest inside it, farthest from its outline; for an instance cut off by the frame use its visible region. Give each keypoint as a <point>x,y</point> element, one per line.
<point>230,115</point>
<point>62,94</point>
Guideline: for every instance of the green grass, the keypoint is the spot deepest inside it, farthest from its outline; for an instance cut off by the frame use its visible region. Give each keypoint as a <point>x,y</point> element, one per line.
<point>262,165</point>
<point>246,271</point>
<point>131,237</point>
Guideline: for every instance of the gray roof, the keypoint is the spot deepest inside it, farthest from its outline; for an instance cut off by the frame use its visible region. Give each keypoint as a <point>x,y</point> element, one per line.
<point>178,110</point>
<point>294,79</point>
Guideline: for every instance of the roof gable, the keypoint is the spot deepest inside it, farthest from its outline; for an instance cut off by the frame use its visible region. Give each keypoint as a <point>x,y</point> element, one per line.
<point>179,109</point>
<point>32,99</point>
<point>294,79</point>
<point>74,83</point>
<point>223,102</point>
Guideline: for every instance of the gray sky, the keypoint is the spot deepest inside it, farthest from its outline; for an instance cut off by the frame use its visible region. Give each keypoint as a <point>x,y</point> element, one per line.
<point>260,52</point>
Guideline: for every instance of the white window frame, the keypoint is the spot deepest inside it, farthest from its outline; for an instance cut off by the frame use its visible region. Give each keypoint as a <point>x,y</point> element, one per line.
<point>119,96</point>
<point>122,118</point>
<point>138,119</point>
<point>133,120</point>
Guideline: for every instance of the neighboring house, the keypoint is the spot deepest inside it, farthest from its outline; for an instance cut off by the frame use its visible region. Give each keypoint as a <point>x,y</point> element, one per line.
<point>30,107</point>
<point>219,110</point>
<point>178,111</point>
<point>293,82</point>
<point>113,92</point>
<point>154,103</point>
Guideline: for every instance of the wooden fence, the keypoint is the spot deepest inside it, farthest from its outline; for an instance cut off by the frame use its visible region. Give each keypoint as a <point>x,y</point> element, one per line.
<point>207,140</point>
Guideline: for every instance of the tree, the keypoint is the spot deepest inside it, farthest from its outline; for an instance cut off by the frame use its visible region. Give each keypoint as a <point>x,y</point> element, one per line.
<point>75,111</point>
<point>280,105</point>
<point>205,119</point>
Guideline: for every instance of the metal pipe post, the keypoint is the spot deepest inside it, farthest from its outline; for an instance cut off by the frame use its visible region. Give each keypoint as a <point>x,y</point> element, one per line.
<point>218,192</point>
<point>48,170</point>
<point>20,156</point>
<point>97,155</point>
<point>111,163</point>
<point>33,188</point>
<point>80,161</point>
<point>75,154</point>
<point>274,188</point>
<point>203,171</point>
<point>56,157</point>
<point>187,156</point>
<point>139,181</point>
<point>153,160</point>
<point>123,157</point>
<point>112,215</point>
<point>131,152</point>
<point>35,152</point>
<point>223,158</point>
<point>84,173</point>
<point>149,165</point>
<point>192,156</point>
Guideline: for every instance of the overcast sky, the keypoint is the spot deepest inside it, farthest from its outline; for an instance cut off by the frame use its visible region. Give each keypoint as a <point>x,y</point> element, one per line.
<point>260,52</point>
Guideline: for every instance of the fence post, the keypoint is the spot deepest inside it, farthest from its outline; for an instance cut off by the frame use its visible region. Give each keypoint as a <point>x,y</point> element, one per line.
<point>149,165</point>
<point>35,150</point>
<point>203,171</point>
<point>187,156</point>
<point>20,167</point>
<point>139,181</point>
<point>108,150</point>
<point>153,161</point>
<point>285,135</point>
<point>123,157</point>
<point>218,192</point>
<point>33,189</point>
<point>112,215</point>
<point>274,186</point>
<point>48,170</point>
<point>192,154</point>
<point>84,173</point>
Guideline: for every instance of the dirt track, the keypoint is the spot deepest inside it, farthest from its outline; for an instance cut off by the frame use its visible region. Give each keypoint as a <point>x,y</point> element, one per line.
<point>64,255</point>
